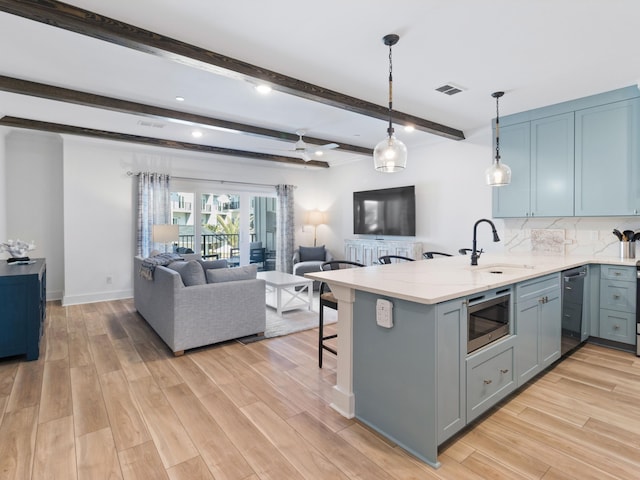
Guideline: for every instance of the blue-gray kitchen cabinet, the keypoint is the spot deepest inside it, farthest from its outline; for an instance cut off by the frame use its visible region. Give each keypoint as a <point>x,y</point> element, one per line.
<point>608,159</point>
<point>540,154</point>
<point>513,200</point>
<point>538,325</point>
<point>618,304</point>
<point>408,380</point>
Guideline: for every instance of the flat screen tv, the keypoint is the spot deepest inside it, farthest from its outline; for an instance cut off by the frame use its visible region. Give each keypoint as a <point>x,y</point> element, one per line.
<point>389,211</point>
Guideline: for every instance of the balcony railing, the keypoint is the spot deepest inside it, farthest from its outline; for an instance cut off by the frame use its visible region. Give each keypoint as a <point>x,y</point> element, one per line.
<point>213,245</point>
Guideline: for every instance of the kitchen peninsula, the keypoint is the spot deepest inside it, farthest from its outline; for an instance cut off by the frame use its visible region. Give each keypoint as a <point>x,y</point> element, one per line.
<point>415,382</point>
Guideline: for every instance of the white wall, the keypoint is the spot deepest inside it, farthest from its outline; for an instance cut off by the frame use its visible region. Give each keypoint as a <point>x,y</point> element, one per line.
<point>3,189</point>
<point>34,199</point>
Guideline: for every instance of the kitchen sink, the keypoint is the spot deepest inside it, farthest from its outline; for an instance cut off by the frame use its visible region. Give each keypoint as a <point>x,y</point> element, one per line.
<point>502,269</point>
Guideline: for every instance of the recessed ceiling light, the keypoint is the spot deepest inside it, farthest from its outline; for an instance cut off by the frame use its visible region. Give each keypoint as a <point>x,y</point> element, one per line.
<point>409,128</point>
<point>179,99</point>
<point>319,153</point>
<point>263,88</point>
<point>196,134</point>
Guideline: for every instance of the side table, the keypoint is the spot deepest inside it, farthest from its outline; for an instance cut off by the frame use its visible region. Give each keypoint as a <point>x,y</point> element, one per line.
<point>23,305</point>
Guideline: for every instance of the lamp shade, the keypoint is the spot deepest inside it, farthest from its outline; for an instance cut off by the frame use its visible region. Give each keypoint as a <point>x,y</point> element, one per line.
<point>390,155</point>
<point>315,217</point>
<point>166,233</point>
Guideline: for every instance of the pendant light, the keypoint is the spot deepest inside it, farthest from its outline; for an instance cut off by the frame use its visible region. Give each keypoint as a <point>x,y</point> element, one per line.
<point>390,155</point>
<point>498,174</point>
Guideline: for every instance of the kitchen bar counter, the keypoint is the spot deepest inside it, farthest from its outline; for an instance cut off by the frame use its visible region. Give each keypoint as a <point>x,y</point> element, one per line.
<point>429,283</point>
<point>441,279</point>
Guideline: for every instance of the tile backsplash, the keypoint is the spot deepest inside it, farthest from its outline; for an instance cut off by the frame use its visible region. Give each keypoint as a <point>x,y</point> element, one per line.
<point>570,235</point>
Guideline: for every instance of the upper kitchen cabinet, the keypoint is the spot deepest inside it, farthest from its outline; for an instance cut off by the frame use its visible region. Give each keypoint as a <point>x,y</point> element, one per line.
<point>513,200</point>
<point>540,155</point>
<point>577,158</point>
<point>607,158</point>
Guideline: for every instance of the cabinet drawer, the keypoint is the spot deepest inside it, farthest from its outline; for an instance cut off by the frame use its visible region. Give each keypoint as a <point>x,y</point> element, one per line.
<point>537,287</point>
<point>618,326</point>
<point>489,380</point>
<point>614,272</point>
<point>617,295</point>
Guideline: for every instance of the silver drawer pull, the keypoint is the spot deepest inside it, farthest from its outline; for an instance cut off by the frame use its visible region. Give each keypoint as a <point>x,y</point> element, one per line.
<point>616,297</point>
<point>504,370</point>
<point>488,382</point>
<point>616,327</point>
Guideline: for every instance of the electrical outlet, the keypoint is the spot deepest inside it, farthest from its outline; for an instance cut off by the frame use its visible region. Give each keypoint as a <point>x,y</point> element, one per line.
<point>109,279</point>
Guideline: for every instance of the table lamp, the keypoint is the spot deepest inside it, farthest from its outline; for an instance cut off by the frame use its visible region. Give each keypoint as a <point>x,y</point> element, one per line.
<point>166,234</point>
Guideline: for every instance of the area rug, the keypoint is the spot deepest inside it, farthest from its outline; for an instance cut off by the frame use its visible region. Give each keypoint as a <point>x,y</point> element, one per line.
<point>293,321</point>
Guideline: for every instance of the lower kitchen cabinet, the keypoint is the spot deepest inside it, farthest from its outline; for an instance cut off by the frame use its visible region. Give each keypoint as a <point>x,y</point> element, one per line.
<point>490,376</point>
<point>618,326</point>
<point>451,318</point>
<point>618,304</point>
<point>538,325</point>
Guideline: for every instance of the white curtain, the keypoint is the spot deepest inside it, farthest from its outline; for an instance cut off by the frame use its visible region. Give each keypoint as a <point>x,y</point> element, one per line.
<point>154,207</point>
<point>284,228</point>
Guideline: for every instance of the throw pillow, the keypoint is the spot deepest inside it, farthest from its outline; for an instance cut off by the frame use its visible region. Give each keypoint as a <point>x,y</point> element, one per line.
<point>218,275</point>
<point>312,254</point>
<point>212,264</point>
<point>191,272</point>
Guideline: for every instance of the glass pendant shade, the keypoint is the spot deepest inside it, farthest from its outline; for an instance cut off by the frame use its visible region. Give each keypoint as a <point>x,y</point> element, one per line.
<point>498,174</point>
<point>390,155</point>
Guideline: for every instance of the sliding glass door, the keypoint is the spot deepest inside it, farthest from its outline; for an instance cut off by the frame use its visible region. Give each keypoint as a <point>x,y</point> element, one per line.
<point>237,226</point>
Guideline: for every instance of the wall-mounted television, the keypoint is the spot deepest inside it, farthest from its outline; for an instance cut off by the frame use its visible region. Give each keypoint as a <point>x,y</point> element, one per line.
<point>389,211</point>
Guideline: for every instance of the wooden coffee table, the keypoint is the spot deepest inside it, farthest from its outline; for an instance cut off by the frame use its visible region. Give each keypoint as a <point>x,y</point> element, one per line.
<point>287,292</point>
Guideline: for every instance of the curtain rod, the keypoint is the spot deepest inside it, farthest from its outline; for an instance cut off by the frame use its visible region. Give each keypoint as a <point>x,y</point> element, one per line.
<point>130,174</point>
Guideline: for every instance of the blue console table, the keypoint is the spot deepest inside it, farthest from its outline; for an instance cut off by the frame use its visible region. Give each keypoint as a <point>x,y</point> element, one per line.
<point>22,308</point>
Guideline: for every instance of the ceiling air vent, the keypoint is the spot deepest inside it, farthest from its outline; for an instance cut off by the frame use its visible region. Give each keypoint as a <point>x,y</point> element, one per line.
<point>450,89</point>
<point>145,123</point>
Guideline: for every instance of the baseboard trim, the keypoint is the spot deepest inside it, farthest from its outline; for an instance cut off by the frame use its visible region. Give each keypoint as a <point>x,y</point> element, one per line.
<point>96,297</point>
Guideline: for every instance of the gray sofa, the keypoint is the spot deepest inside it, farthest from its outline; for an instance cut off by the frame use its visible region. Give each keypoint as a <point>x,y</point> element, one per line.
<point>193,316</point>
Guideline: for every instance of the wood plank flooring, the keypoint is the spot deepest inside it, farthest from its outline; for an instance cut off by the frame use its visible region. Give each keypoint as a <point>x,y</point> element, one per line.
<point>107,399</point>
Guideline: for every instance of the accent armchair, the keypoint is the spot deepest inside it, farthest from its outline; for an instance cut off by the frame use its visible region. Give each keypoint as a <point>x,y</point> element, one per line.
<point>310,259</point>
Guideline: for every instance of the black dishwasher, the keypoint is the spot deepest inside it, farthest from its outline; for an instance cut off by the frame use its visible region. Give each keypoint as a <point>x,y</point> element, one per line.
<point>572,301</point>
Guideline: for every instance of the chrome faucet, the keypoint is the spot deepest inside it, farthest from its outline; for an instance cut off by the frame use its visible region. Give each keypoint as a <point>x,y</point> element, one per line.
<point>475,254</point>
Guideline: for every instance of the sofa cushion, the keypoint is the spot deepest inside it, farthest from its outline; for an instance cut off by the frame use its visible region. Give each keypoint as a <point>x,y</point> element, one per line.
<point>312,254</point>
<point>212,264</point>
<point>191,272</point>
<point>217,275</point>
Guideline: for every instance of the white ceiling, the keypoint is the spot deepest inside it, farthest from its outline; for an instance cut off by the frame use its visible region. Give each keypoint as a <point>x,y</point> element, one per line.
<point>539,52</point>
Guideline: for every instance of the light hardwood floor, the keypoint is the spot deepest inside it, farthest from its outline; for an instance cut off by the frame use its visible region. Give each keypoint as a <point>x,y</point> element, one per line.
<point>106,399</point>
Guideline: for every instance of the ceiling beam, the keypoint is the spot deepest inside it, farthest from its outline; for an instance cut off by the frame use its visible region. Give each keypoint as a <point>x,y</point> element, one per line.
<point>156,142</point>
<point>68,17</point>
<point>50,92</point>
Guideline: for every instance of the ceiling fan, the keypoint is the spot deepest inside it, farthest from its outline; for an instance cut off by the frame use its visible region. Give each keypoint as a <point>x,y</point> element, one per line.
<point>307,150</point>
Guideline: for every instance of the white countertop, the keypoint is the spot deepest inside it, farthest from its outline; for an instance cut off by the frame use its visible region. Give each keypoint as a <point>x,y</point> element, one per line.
<point>441,279</point>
